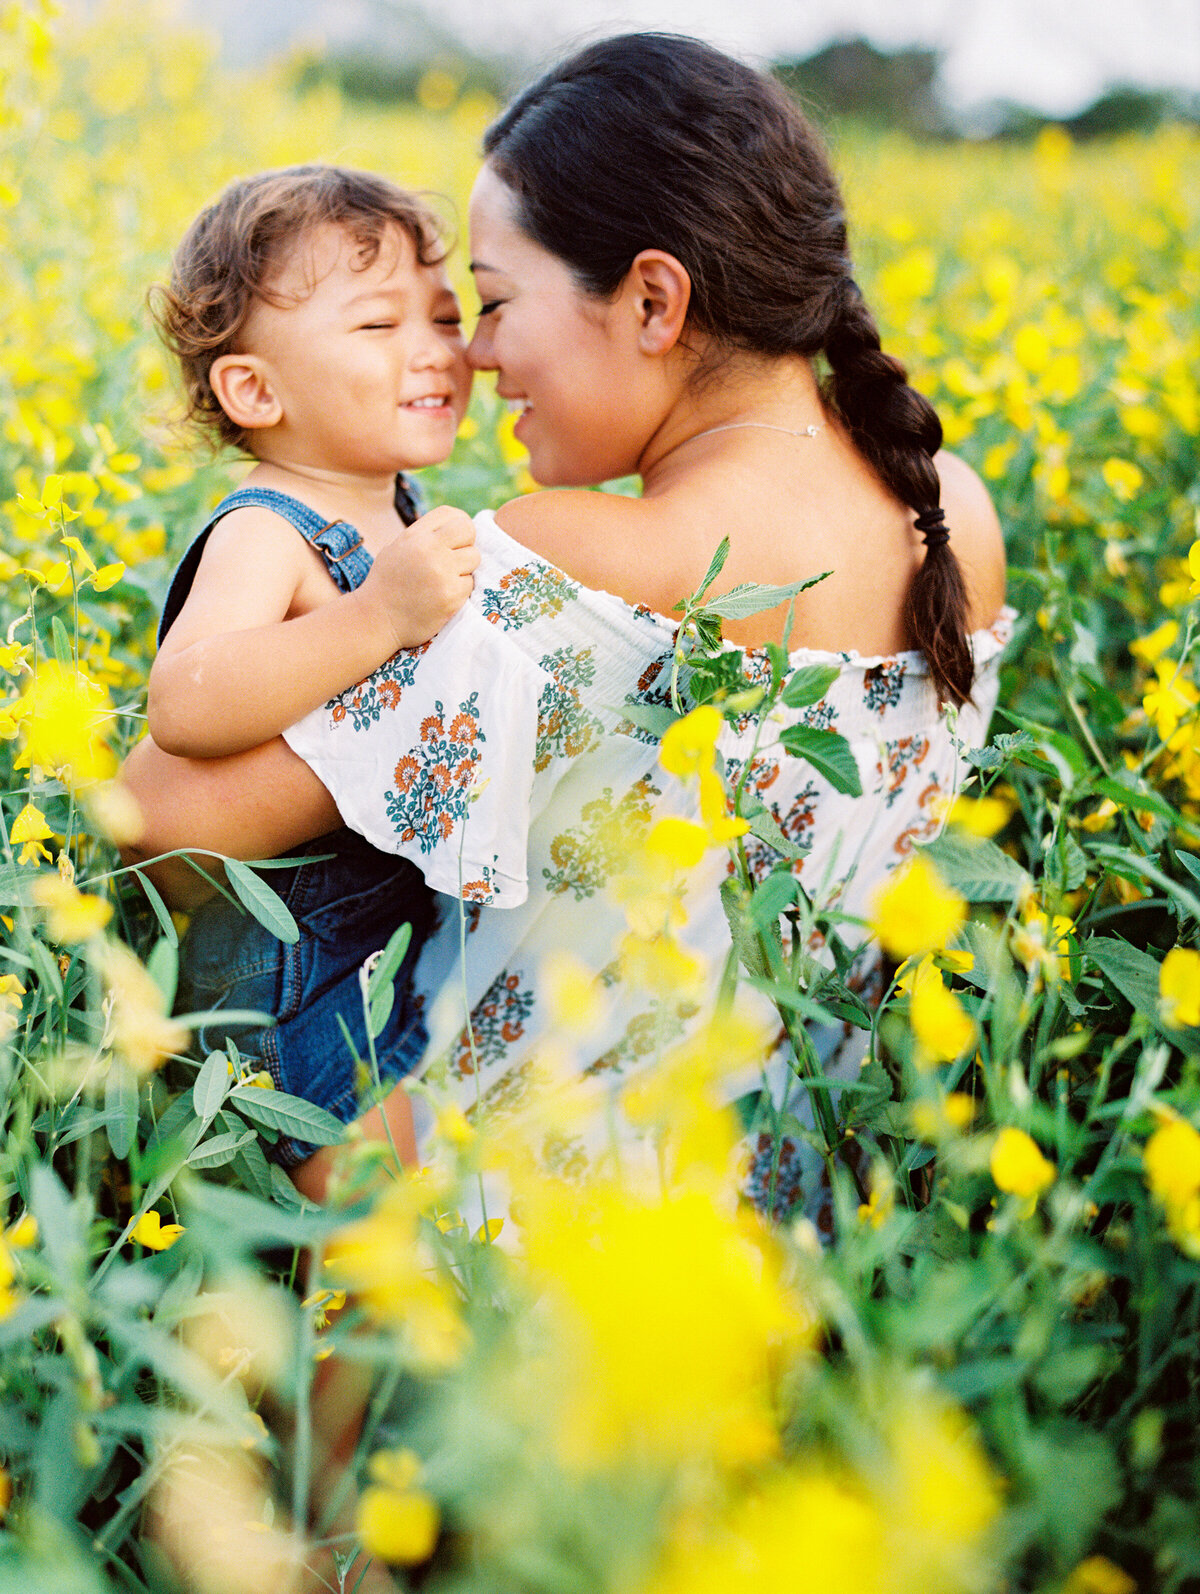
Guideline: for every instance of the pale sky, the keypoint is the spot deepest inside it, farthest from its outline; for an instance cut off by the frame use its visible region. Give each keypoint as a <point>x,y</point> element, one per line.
<point>1055,54</point>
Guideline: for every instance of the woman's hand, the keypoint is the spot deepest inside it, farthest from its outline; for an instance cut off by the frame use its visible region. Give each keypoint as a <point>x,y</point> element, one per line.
<point>256,804</point>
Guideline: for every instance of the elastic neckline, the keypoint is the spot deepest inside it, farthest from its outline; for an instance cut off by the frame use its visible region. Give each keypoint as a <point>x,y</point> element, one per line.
<point>986,640</point>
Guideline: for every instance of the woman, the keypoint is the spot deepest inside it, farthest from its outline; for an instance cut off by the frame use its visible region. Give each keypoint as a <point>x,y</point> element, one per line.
<point>660,250</point>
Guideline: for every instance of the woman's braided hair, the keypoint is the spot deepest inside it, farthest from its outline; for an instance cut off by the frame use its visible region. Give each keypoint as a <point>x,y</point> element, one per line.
<point>654,141</point>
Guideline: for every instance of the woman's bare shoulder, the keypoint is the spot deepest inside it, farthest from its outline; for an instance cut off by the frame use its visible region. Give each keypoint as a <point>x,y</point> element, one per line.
<point>593,536</point>
<point>975,535</point>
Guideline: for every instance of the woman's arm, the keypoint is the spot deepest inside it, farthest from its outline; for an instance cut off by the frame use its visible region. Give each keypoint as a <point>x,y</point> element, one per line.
<point>256,804</point>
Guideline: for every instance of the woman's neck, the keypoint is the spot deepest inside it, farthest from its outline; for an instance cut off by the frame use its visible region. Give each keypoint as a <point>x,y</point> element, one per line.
<point>775,395</point>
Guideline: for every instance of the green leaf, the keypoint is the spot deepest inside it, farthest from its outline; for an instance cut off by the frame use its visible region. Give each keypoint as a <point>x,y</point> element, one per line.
<point>1134,973</point>
<point>763,824</point>
<point>809,684</point>
<point>380,1010</point>
<point>291,1114</point>
<point>16,884</point>
<point>212,1085</point>
<point>120,1109</point>
<point>768,900</point>
<point>1138,798</point>
<point>656,718</point>
<point>828,753</point>
<point>162,965</point>
<point>715,566</point>
<point>1132,866</point>
<point>253,1169</point>
<point>63,651</point>
<point>977,869</point>
<point>261,901</point>
<point>161,912</point>
<point>392,956</point>
<point>220,1149</point>
<point>749,597</point>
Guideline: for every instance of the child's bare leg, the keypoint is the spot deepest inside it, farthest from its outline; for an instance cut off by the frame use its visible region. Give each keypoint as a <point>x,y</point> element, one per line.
<point>391,1121</point>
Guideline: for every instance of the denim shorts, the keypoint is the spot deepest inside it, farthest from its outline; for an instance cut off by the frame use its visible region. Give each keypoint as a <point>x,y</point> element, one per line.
<point>347,907</point>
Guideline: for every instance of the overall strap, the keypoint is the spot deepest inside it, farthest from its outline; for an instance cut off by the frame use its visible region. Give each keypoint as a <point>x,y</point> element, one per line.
<point>338,542</point>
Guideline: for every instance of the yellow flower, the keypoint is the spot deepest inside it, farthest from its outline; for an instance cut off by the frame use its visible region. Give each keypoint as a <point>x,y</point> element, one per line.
<point>914,912</point>
<point>23,1233</point>
<point>1122,477</point>
<point>980,816</point>
<point>71,914</point>
<point>677,842</point>
<point>1179,987</point>
<point>1098,1575</point>
<point>574,999</point>
<point>1170,700</point>
<point>689,744</point>
<point>6,1492</point>
<point>722,826</point>
<point>666,1317</point>
<point>11,994</point>
<point>29,830</point>
<point>141,1031</point>
<point>380,1259</point>
<point>943,1027</point>
<point>153,1233</point>
<point>1018,1166</point>
<point>1154,644</point>
<point>805,1529</point>
<point>64,717</point>
<point>933,1121</point>
<point>1172,1162</point>
<point>397,1526</point>
<point>1043,940</point>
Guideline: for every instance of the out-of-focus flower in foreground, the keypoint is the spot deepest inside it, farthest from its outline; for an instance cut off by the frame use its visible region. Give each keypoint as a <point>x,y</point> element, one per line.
<point>1172,1166</point>
<point>1018,1166</point>
<point>915,912</point>
<point>1179,986</point>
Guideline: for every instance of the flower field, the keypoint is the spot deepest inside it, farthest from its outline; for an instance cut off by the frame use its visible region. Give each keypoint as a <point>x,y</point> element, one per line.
<point>989,1379</point>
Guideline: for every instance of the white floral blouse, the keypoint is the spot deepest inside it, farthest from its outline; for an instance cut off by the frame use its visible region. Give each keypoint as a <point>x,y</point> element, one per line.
<point>495,756</point>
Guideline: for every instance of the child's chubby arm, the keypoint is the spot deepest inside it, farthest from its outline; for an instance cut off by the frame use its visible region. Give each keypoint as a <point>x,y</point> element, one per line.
<point>257,646</point>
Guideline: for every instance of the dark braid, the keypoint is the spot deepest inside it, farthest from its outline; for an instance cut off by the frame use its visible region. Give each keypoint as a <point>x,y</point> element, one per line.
<point>654,141</point>
<point>898,433</point>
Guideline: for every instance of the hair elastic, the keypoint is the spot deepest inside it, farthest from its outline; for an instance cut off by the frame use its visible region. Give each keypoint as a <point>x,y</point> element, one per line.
<point>931,523</point>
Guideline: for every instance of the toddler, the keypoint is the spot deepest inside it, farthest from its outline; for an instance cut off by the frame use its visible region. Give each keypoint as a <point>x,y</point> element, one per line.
<point>317,331</point>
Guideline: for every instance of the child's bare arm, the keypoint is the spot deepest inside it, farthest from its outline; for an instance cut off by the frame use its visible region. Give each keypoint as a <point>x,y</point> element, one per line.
<point>235,670</point>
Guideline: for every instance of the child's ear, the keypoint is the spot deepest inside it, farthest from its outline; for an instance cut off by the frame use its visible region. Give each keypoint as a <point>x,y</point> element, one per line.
<point>244,390</point>
<point>661,291</point>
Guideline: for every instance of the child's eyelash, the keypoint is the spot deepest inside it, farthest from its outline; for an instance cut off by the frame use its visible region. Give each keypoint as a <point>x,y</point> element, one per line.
<point>492,304</point>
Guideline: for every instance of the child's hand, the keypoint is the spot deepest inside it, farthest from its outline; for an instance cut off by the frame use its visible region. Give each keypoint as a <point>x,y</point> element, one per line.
<point>423,576</point>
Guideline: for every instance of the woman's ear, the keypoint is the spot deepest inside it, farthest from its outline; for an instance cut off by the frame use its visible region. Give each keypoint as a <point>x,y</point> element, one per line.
<point>661,291</point>
<point>244,390</point>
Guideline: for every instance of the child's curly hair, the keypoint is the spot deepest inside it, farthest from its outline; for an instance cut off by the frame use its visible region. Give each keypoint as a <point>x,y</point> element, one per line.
<point>237,247</point>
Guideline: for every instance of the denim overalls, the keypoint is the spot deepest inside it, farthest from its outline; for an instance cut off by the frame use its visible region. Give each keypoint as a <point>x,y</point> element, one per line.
<point>346,908</point>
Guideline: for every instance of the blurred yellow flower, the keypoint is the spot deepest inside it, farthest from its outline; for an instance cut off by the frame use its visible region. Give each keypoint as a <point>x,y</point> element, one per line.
<point>153,1233</point>
<point>1154,644</point>
<point>1122,477</point>
<point>397,1525</point>
<point>674,1310</point>
<point>688,746</point>
<point>914,912</point>
<point>64,718</point>
<point>71,914</point>
<point>679,843</point>
<point>1018,1166</point>
<point>381,1260</point>
<point>1098,1575</point>
<point>1179,986</point>
<point>140,1030</point>
<point>980,816</point>
<point>942,1026</point>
